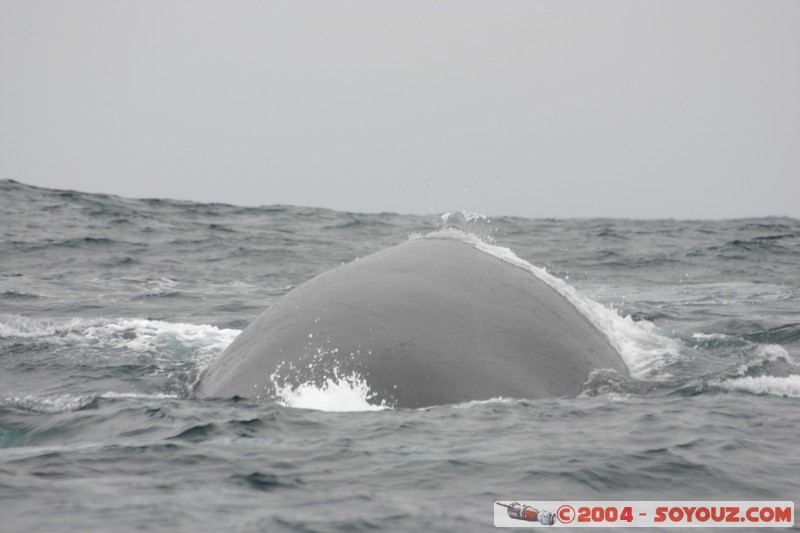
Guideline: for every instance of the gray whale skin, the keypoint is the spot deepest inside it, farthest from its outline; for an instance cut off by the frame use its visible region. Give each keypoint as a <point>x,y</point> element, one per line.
<point>431,321</point>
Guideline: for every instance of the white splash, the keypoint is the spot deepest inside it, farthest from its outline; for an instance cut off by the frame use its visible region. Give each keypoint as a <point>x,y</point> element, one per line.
<point>340,394</point>
<point>469,216</point>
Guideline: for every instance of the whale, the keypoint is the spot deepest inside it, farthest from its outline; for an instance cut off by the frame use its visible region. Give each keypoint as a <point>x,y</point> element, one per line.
<point>432,321</point>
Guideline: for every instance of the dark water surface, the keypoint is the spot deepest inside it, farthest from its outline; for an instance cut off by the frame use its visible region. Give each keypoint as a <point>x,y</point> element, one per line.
<point>110,308</point>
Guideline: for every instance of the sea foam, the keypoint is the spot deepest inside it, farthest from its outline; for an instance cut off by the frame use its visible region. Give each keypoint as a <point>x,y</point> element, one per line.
<point>787,386</point>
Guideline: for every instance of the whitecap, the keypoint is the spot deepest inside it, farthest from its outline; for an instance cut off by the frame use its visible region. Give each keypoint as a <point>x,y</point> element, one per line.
<point>60,403</point>
<point>788,386</point>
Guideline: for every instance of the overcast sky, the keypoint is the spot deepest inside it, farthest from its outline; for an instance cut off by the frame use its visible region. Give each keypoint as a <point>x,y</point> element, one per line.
<point>637,109</point>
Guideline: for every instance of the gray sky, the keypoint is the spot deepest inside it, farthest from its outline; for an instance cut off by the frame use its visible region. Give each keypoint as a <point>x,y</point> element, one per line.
<point>641,109</point>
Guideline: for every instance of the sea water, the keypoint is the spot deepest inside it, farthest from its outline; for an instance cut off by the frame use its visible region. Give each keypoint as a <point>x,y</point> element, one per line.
<point>111,308</point>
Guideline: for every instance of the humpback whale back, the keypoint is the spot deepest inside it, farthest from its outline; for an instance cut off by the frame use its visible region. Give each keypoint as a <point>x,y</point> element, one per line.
<point>430,321</point>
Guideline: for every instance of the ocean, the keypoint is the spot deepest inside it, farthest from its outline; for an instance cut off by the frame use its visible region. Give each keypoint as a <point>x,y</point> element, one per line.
<point>111,308</point>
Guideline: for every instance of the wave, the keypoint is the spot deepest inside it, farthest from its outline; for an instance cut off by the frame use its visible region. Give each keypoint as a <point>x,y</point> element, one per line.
<point>135,334</point>
<point>60,403</point>
<point>121,348</point>
<point>788,386</point>
<point>63,403</point>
